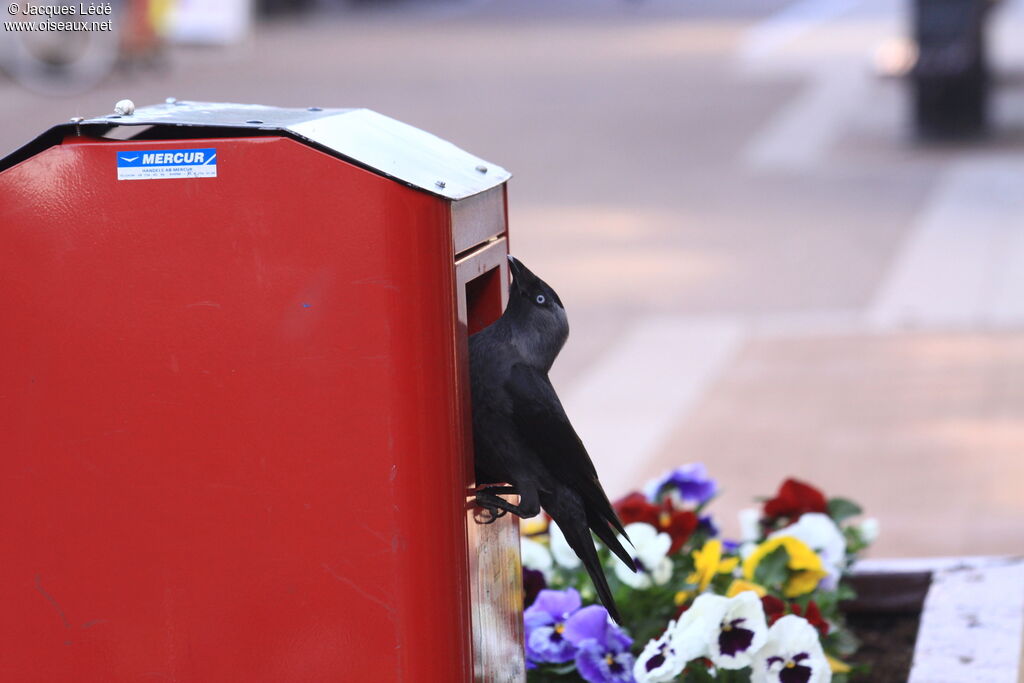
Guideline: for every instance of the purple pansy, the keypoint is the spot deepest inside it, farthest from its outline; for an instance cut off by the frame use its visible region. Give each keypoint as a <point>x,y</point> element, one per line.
<point>707,525</point>
<point>603,654</point>
<point>689,484</point>
<point>546,621</point>
<point>598,665</point>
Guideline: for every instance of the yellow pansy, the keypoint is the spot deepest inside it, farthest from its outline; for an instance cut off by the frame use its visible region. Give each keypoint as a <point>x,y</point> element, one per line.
<point>708,562</point>
<point>533,526</point>
<point>837,666</point>
<point>741,586</point>
<point>803,562</point>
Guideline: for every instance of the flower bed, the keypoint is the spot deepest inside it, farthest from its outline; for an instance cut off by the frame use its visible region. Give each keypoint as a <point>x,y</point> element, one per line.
<point>763,608</point>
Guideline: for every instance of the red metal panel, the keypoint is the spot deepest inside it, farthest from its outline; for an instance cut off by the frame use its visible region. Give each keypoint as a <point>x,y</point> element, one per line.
<point>230,446</point>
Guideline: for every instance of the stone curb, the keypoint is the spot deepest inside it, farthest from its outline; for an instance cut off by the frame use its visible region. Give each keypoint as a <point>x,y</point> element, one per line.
<point>972,622</point>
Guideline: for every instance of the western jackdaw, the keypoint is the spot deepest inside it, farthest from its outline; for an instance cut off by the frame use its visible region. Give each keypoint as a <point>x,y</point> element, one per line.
<point>521,434</point>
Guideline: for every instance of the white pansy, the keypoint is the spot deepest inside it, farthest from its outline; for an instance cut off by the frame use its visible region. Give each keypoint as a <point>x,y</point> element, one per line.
<point>563,554</point>
<point>699,625</point>
<point>659,662</point>
<point>650,554</point>
<point>869,529</point>
<point>536,556</point>
<point>728,630</point>
<point>821,535</point>
<point>792,652</point>
<point>741,632</point>
<point>750,525</point>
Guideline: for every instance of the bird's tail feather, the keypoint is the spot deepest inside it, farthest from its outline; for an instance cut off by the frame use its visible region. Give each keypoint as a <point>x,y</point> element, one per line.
<point>608,537</point>
<point>579,539</point>
<point>597,500</point>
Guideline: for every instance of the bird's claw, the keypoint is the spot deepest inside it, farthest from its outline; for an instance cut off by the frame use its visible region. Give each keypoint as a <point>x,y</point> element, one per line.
<point>488,515</point>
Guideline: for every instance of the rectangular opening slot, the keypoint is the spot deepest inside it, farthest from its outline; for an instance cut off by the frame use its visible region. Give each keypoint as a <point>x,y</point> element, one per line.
<point>483,300</point>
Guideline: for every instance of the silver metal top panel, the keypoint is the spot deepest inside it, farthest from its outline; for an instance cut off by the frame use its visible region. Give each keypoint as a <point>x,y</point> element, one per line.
<point>374,141</point>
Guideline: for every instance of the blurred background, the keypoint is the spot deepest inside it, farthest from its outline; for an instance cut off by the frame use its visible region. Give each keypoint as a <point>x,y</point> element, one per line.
<point>789,233</point>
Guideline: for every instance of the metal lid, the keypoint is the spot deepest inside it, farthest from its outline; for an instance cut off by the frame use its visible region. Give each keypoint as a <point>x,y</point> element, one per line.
<point>371,140</point>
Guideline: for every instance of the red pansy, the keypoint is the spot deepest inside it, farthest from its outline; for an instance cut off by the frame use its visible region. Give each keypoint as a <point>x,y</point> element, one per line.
<point>774,608</point>
<point>794,499</point>
<point>813,616</point>
<point>679,524</point>
<point>636,508</point>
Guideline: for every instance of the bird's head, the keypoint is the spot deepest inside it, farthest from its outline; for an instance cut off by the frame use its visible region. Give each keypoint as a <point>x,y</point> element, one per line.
<point>537,317</point>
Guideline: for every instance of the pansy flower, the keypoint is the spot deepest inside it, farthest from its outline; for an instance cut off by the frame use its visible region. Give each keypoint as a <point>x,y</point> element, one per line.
<point>650,555</point>
<point>805,567</point>
<point>813,616</point>
<point>533,583</point>
<point>794,499</point>
<point>774,608</point>
<point>688,485</point>
<point>602,654</point>
<point>742,585</point>
<point>564,555</point>
<point>821,535</point>
<point>535,556</point>
<point>679,524</point>
<point>692,634</point>
<point>708,563</point>
<point>658,662</point>
<point>546,621</point>
<point>751,529</point>
<point>534,526</point>
<point>726,630</point>
<point>791,654</point>
<point>635,507</point>
<point>868,530</point>
<point>742,631</point>
<point>708,526</point>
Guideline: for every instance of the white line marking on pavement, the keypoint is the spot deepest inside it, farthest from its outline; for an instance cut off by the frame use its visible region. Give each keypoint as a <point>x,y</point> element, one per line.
<point>828,43</point>
<point>963,265</point>
<point>802,132</point>
<point>793,21</point>
<point>626,407</point>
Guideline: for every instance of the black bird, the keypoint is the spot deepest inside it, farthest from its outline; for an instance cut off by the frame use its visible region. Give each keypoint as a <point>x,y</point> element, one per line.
<point>521,434</point>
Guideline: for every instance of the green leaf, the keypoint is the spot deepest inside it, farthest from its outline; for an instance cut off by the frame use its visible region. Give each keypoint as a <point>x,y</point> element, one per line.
<point>547,673</point>
<point>845,591</point>
<point>562,669</point>
<point>840,509</point>
<point>773,568</point>
<point>846,643</point>
<point>734,675</point>
<point>695,673</point>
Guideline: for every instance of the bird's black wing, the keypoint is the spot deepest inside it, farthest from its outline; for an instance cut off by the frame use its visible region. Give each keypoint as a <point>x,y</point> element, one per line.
<point>543,425</point>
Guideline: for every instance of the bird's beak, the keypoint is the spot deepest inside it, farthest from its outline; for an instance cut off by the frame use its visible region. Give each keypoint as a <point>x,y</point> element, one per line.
<point>521,275</point>
<point>516,266</point>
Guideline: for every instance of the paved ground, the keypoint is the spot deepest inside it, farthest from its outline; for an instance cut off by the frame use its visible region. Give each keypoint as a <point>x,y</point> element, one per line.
<point>762,271</point>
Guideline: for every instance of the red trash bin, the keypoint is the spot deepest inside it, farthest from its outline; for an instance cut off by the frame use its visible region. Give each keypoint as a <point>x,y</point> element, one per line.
<point>234,441</point>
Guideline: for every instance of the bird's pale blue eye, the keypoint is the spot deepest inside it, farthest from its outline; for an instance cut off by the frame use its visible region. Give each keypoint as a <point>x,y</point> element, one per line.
<point>541,299</point>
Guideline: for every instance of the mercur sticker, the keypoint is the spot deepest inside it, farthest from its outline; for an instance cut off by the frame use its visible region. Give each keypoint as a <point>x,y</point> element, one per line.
<point>167,163</point>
